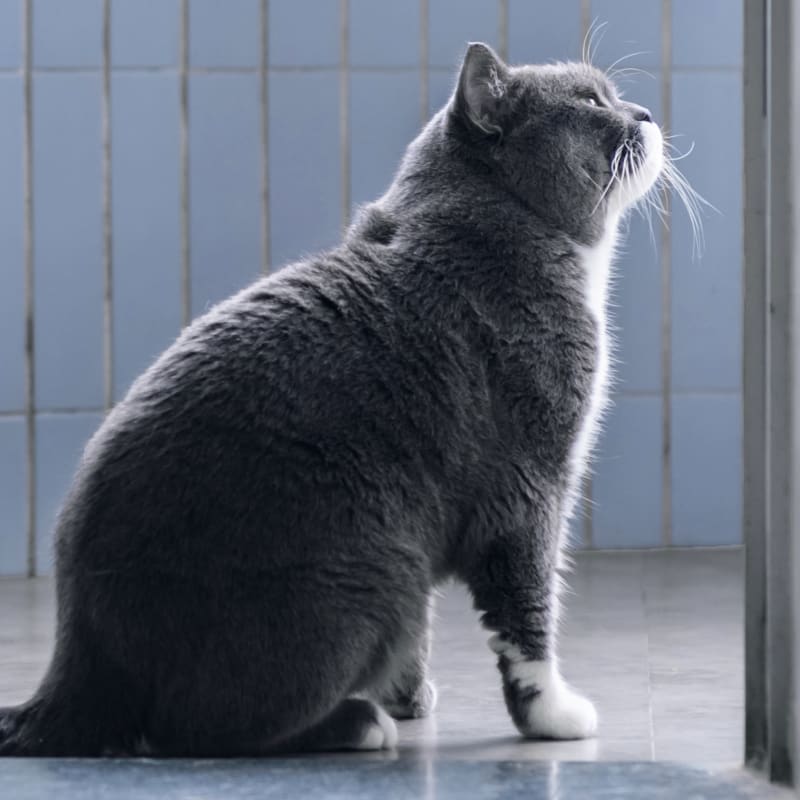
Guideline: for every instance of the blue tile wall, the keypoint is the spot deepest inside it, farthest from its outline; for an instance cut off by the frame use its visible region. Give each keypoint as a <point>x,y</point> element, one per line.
<point>145,210</point>
<point>68,240</point>
<point>225,160</point>
<point>10,33</point>
<point>441,84</point>
<point>384,33</point>
<point>13,493</point>
<point>706,469</point>
<point>540,31</point>
<point>224,34</point>
<point>710,38</point>
<point>305,176</point>
<point>12,275</point>
<point>636,293</point>
<point>626,487</point>
<point>633,27</point>
<point>305,213</point>
<point>144,32</point>
<point>577,528</point>
<point>382,138</point>
<point>454,23</point>
<point>293,42</point>
<point>707,292</point>
<point>67,34</point>
<point>635,308</point>
<point>60,439</point>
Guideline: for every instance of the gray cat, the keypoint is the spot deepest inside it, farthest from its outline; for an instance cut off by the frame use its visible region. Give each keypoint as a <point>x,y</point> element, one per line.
<point>246,555</point>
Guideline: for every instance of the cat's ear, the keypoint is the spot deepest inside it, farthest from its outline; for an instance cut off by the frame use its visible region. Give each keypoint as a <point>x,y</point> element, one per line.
<point>482,87</point>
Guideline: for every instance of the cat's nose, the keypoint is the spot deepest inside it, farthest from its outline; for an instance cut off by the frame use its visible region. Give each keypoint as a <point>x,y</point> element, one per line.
<point>641,114</point>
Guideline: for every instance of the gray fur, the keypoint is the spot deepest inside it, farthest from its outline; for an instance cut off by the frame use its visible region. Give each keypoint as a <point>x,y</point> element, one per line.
<point>254,532</point>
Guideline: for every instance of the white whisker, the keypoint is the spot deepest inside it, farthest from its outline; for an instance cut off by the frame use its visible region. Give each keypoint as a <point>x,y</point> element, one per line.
<point>674,180</point>
<point>591,41</point>
<point>627,71</point>
<point>614,178</point>
<point>625,58</point>
<point>682,155</point>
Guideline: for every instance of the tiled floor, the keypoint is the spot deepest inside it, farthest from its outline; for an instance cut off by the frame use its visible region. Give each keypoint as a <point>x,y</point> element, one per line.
<point>654,638</point>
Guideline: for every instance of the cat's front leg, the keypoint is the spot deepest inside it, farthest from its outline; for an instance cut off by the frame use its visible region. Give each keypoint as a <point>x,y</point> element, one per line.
<point>516,587</point>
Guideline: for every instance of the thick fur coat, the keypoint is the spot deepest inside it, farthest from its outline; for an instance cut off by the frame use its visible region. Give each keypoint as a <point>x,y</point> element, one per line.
<point>246,556</point>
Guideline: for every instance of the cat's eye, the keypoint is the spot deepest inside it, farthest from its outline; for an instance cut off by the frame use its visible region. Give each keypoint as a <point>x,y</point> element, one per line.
<point>592,99</point>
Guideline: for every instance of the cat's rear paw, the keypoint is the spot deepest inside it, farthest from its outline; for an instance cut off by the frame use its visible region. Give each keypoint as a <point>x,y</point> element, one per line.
<point>418,704</point>
<point>380,734</point>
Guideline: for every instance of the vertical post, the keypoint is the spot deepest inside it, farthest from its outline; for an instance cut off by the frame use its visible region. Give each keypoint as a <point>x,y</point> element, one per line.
<point>754,381</point>
<point>502,30</point>
<point>666,290</point>
<point>344,108</point>
<point>792,233</point>
<point>424,61</point>
<point>587,489</point>
<point>264,99</point>
<point>781,389</point>
<point>186,254</point>
<point>586,21</point>
<point>30,360</point>
<point>108,266</point>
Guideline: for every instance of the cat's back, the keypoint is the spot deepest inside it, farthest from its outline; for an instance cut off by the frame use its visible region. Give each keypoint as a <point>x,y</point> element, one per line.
<point>311,389</point>
<point>278,346</point>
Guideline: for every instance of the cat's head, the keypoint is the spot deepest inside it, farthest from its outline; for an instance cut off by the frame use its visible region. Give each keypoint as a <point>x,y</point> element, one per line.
<point>558,136</point>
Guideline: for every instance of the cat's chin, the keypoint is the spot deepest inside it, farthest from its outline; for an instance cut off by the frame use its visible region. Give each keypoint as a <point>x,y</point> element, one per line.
<point>649,167</point>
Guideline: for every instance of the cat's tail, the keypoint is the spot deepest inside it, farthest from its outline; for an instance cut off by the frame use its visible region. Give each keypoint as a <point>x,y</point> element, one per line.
<point>39,729</point>
<point>74,713</point>
<point>17,737</point>
<point>58,729</point>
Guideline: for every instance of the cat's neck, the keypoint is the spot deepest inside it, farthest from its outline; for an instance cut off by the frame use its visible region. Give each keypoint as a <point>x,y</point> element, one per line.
<point>597,262</point>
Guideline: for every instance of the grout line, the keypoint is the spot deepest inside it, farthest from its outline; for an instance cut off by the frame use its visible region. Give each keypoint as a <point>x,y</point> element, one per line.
<point>677,393</point>
<point>264,100</point>
<point>605,551</point>
<point>708,68</point>
<point>108,265</point>
<point>54,410</point>
<point>502,29</point>
<point>30,371</point>
<point>586,23</point>
<point>221,70</point>
<point>666,289</point>
<point>186,254</point>
<point>650,712</point>
<point>424,58</point>
<point>587,490</point>
<point>344,110</point>
<point>18,412</point>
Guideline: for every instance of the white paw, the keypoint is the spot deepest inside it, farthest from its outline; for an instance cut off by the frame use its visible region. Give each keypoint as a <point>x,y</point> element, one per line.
<point>419,705</point>
<point>541,703</point>
<point>381,734</point>
<point>560,714</point>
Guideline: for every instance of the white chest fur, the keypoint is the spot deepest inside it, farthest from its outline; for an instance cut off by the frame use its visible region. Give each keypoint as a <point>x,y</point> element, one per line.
<point>597,262</point>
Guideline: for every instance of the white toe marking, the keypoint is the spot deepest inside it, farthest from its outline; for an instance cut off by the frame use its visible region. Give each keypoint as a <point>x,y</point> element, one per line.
<point>433,694</point>
<point>389,729</point>
<point>382,735</point>
<point>558,712</point>
<point>372,739</point>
